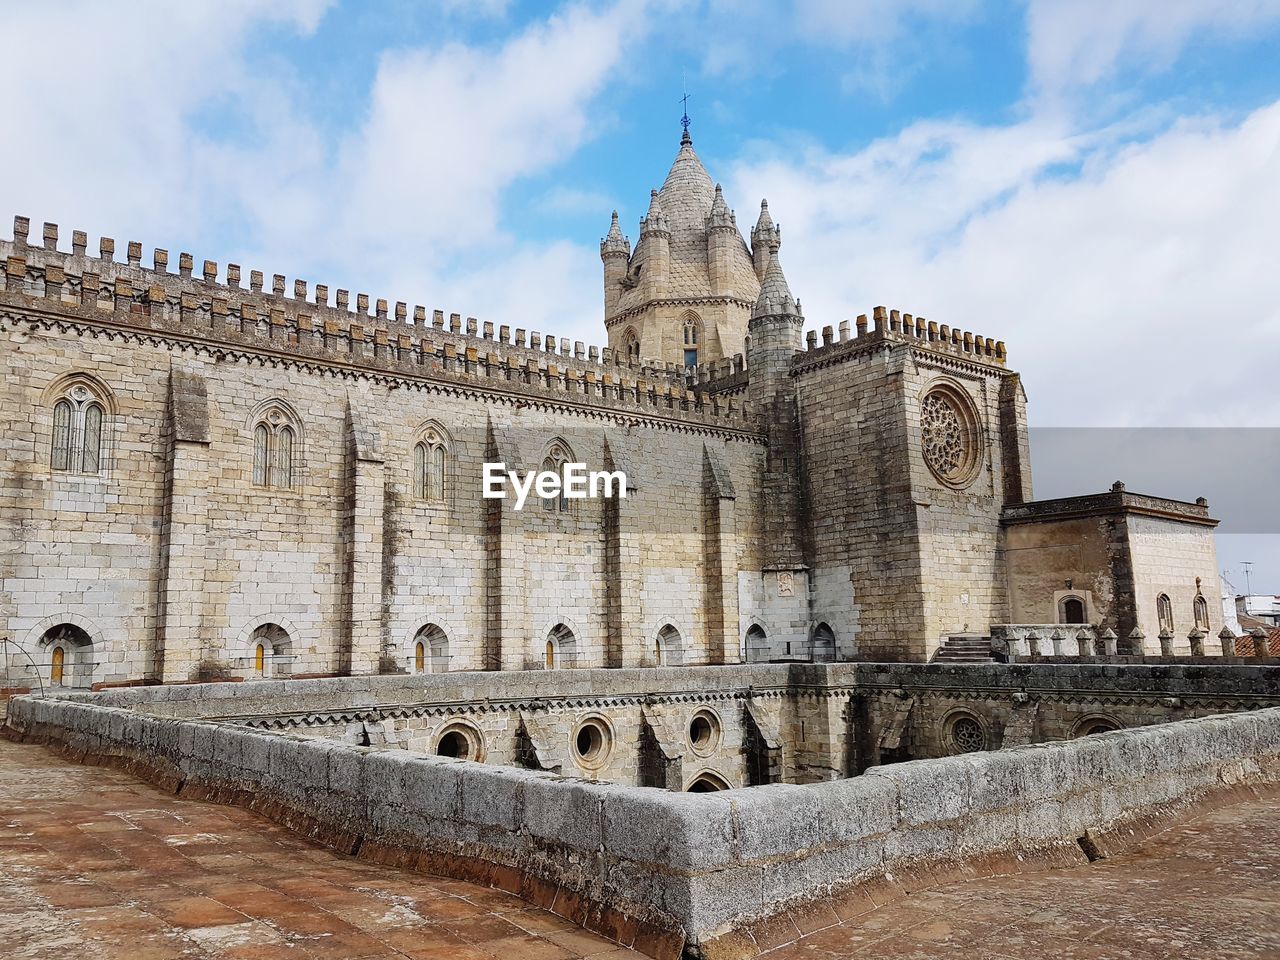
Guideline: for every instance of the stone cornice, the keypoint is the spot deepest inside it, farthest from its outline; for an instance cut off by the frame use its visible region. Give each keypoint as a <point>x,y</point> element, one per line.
<point>633,312</point>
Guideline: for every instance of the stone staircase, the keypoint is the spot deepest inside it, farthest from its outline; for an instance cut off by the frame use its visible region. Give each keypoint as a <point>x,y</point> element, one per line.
<point>965,648</point>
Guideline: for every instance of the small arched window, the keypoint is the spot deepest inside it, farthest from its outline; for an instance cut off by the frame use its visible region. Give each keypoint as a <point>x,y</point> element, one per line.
<point>1200,611</point>
<point>430,650</point>
<point>282,468</point>
<point>668,649</point>
<point>557,456</point>
<point>261,443</point>
<point>430,465</point>
<point>1072,610</point>
<point>275,450</point>
<point>692,337</point>
<point>1164,611</point>
<point>78,427</point>
<point>823,648</point>
<point>70,653</point>
<point>631,345</point>
<point>561,648</point>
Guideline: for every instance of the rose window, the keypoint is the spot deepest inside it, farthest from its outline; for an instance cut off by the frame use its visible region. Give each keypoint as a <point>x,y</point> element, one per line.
<point>949,436</point>
<point>967,735</point>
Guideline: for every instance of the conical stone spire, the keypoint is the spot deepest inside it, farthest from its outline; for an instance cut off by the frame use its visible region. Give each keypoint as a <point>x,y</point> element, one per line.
<point>765,222</point>
<point>765,233</point>
<point>614,242</point>
<point>654,221</point>
<point>720,215</point>
<point>775,298</point>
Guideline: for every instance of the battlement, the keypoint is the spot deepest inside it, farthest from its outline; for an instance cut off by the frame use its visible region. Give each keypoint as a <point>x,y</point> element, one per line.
<point>893,326</point>
<point>391,338</point>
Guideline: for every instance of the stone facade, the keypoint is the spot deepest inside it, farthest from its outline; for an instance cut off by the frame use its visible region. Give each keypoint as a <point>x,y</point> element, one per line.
<point>204,479</point>
<point>1133,562</point>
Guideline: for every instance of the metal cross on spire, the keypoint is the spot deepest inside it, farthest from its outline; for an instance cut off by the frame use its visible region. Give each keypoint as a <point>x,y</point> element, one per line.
<point>684,120</point>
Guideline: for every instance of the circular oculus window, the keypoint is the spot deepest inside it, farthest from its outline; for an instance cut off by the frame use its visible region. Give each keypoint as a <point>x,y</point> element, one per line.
<point>592,743</point>
<point>704,733</point>
<point>460,741</point>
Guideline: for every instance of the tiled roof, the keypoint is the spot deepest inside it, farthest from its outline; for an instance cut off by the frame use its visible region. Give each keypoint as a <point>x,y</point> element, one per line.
<point>1244,644</point>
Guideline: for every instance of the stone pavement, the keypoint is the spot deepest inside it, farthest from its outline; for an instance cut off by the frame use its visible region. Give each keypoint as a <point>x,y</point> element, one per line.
<point>1208,889</point>
<point>95,864</point>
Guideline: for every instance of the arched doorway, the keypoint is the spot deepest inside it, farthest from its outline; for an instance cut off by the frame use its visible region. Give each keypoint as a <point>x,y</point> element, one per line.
<point>708,782</point>
<point>757,644</point>
<point>69,653</point>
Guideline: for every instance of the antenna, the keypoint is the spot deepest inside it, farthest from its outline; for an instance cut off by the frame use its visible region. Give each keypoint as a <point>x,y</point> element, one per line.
<point>1248,586</point>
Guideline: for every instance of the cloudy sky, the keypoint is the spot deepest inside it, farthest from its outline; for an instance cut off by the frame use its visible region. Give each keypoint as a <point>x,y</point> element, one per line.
<point>1096,182</point>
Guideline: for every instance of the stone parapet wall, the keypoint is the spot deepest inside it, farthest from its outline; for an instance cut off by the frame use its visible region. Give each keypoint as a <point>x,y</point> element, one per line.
<point>660,869</point>
<point>100,291</point>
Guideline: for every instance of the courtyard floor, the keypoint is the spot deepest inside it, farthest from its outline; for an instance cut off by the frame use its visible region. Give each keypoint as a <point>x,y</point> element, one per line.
<point>95,864</point>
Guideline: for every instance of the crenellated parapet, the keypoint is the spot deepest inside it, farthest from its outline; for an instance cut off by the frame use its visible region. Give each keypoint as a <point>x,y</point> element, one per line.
<point>214,306</point>
<point>726,375</point>
<point>888,327</point>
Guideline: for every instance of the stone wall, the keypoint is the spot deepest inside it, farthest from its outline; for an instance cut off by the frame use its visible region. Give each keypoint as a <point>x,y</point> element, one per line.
<point>677,869</point>
<point>918,552</point>
<point>796,724</point>
<point>1116,552</point>
<point>171,557</point>
<point>1180,562</point>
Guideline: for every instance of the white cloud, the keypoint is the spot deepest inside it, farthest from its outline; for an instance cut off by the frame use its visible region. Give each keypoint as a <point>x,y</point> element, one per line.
<point>1080,42</point>
<point>450,129</point>
<point>99,136</point>
<point>117,139</point>
<point>1134,283</point>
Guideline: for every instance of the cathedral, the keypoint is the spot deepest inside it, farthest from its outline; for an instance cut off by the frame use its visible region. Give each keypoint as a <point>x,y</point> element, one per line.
<point>205,478</point>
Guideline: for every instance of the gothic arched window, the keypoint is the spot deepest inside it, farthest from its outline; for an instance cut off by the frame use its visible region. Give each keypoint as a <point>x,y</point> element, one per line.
<point>275,449</point>
<point>692,339</point>
<point>557,456</point>
<point>430,465</point>
<point>78,427</point>
<point>1200,611</point>
<point>631,345</point>
<point>1164,611</point>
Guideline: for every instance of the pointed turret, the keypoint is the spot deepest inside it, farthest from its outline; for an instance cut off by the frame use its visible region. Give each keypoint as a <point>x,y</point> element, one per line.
<point>766,238</point>
<point>720,215</point>
<point>615,252</point>
<point>775,328</point>
<point>775,298</point>
<point>614,242</point>
<point>654,221</point>
<point>723,241</point>
<point>654,250</point>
